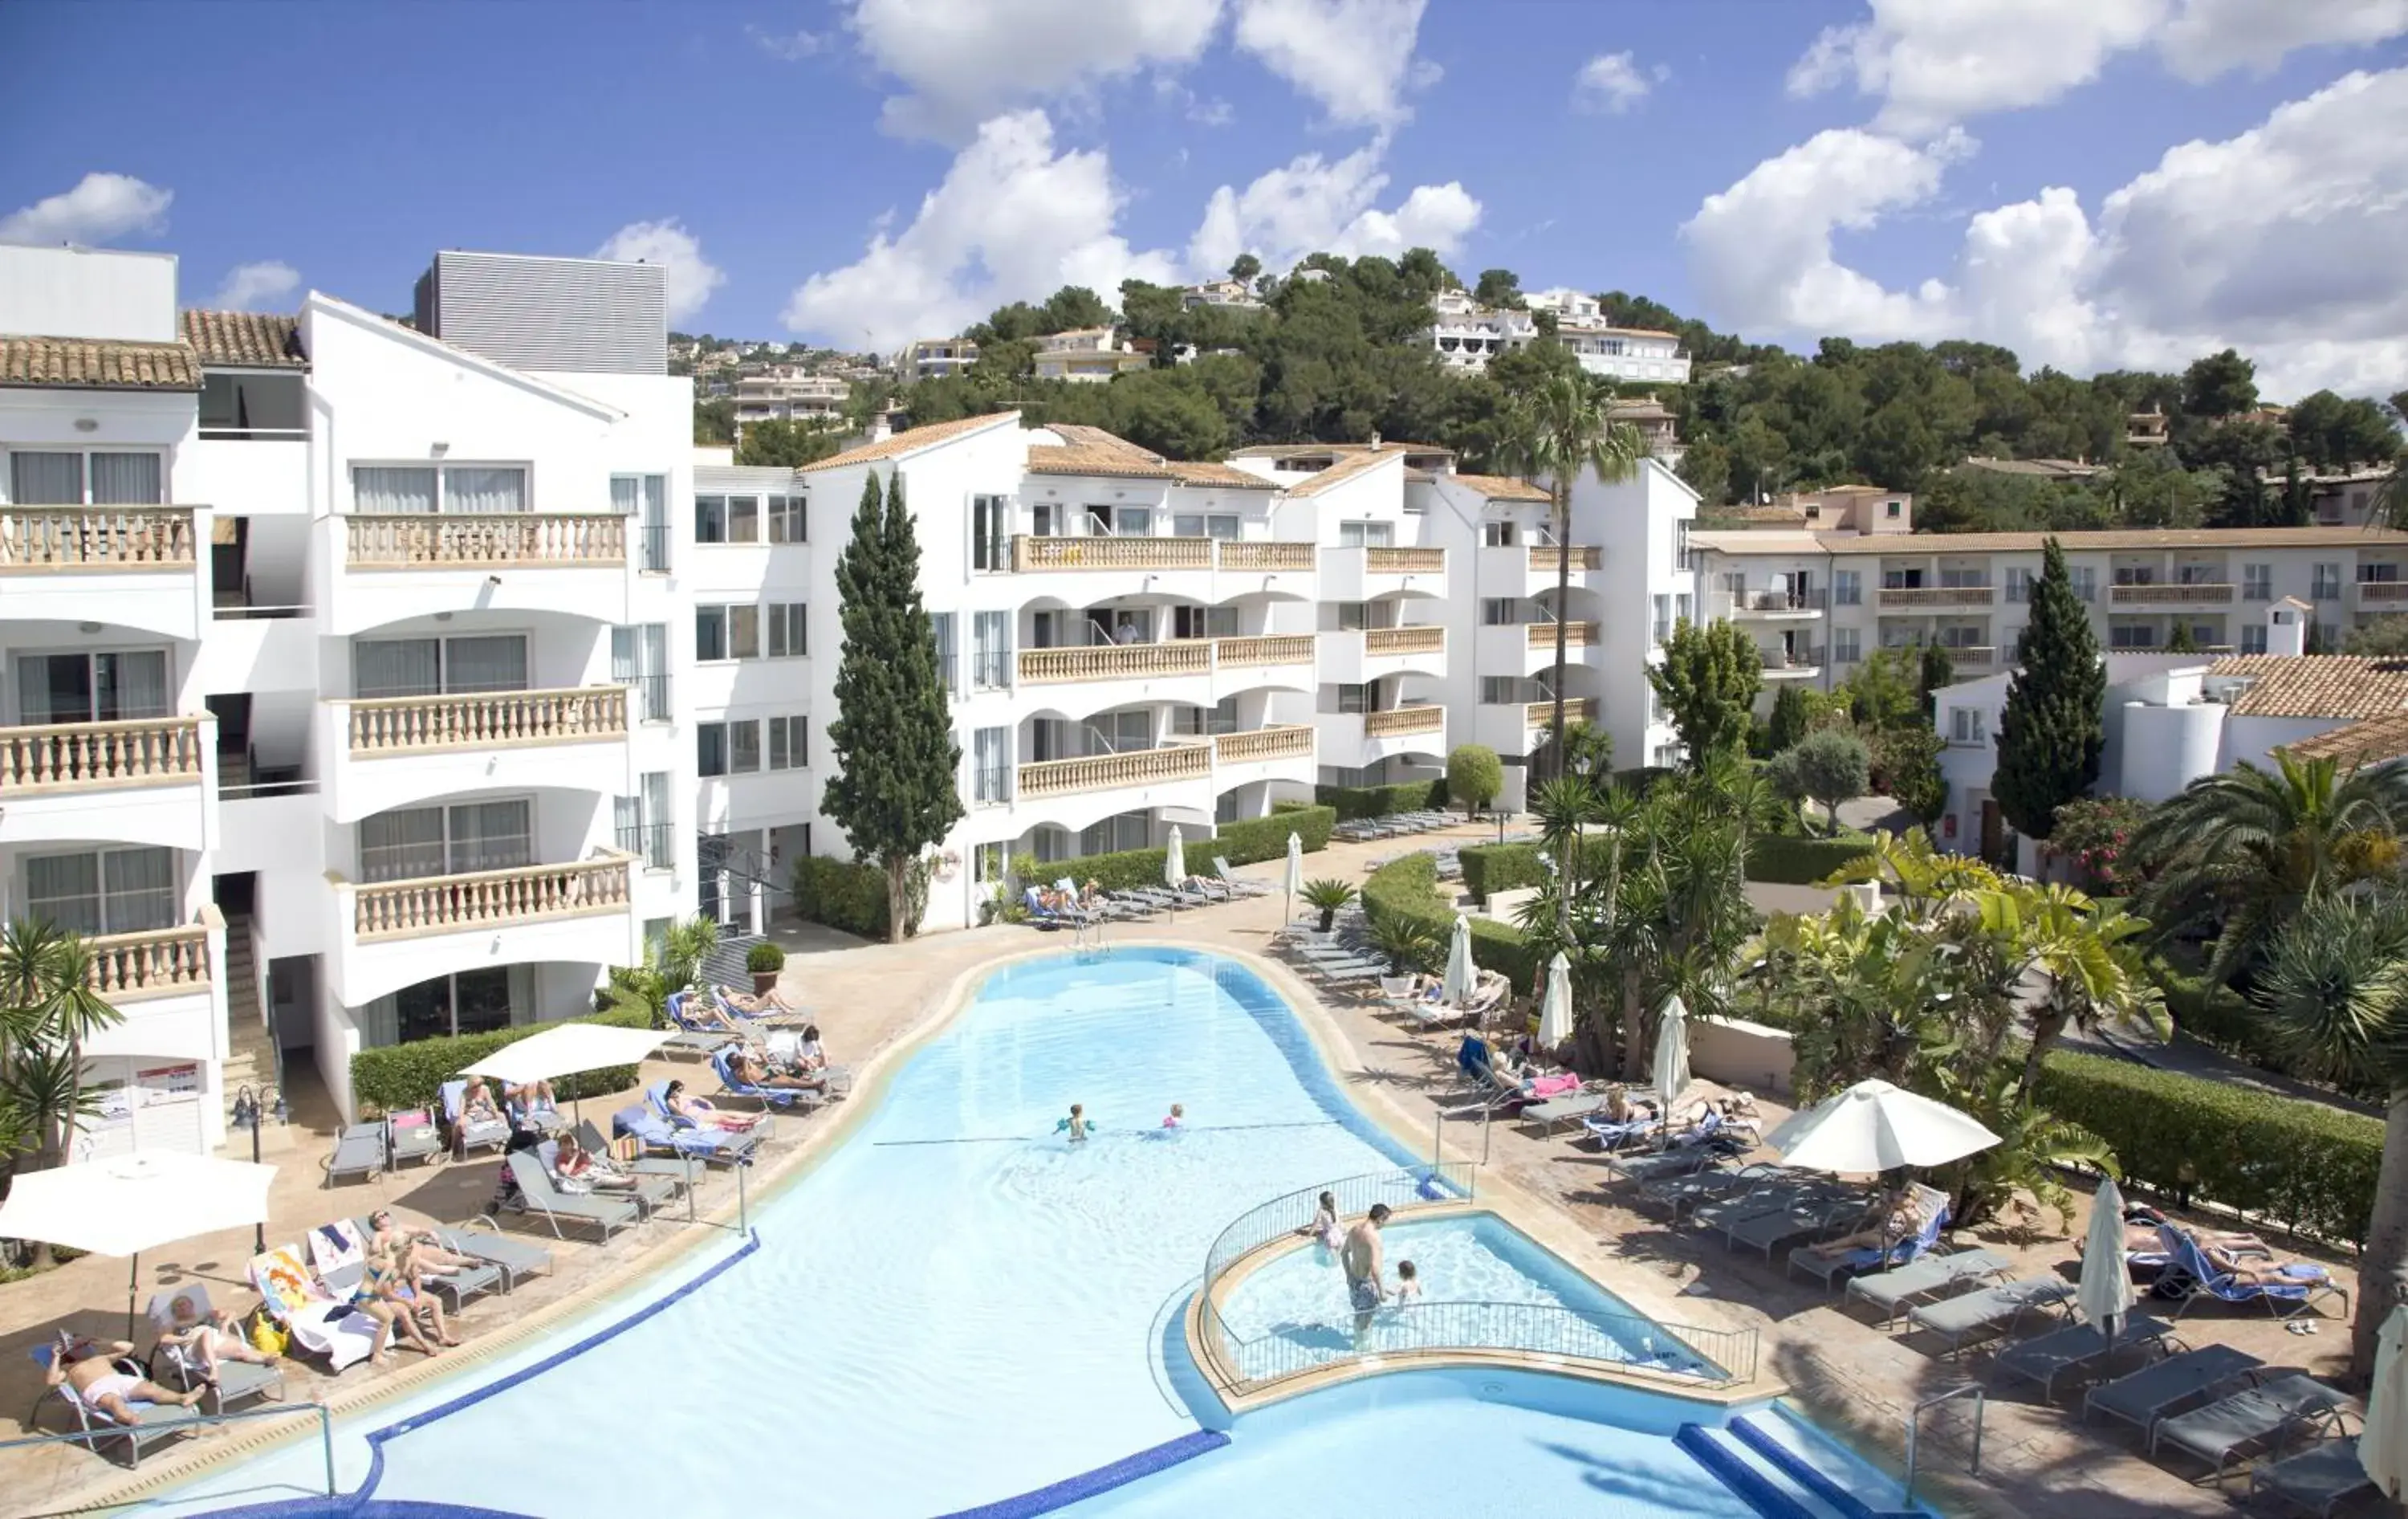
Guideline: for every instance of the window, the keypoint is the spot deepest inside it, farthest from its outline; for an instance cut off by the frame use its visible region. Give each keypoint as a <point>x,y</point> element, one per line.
<point>415,842</point>
<point>1965,726</point>
<point>948,647</point>
<point>1203,722</point>
<point>93,688</point>
<point>2253,638</point>
<point>2378,574</point>
<point>1204,622</point>
<point>1499,611</point>
<point>469,1002</point>
<point>1684,557</point>
<point>1352,616</point>
<point>467,490</point>
<point>2131,635</point>
<point>1902,580</point>
<point>989,864</point>
<point>109,890</point>
<point>1191,524</point>
<point>1848,587</point>
<point>1892,509</point>
<point>710,519</point>
<point>2019,583</point>
<point>2085,580</point>
<point>643,822</point>
<point>639,657</point>
<point>990,533</point>
<point>1120,733</point>
<point>1666,757</point>
<point>1366,535</point>
<point>2136,575</point>
<point>1681,608</point>
<point>743,519</point>
<point>1355,698</point>
<point>789,743</point>
<point>646,498</point>
<point>75,479</point>
<point>710,749</point>
<point>1497,535</point>
<point>1848,646</point>
<point>431,667</point>
<point>786,518</point>
<point>990,651</point>
<point>991,766</point>
<point>1663,628</point>
<point>744,748</point>
<point>1500,690</point>
<point>726,633</point>
<point>1964,578</point>
<point>786,640</point>
<point>2256,582</point>
<point>1125,830</point>
<point>2328,583</point>
<point>1120,521</point>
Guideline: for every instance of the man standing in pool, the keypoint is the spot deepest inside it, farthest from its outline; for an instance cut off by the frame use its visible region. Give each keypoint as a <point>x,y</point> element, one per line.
<point>1361,1258</point>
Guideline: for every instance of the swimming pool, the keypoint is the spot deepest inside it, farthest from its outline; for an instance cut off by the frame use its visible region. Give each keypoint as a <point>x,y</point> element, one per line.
<point>957,1306</point>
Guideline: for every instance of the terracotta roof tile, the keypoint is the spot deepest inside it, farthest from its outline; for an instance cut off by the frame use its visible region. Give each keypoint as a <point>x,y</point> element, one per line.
<point>1228,477</point>
<point>245,340</point>
<point>911,441</point>
<point>1094,459</point>
<point>1503,487</point>
<point>2367,741</point>
<point>92,363</point>
<point>2315,685</point>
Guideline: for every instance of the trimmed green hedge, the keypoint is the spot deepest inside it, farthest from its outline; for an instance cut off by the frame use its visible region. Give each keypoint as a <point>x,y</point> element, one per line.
<point>1354,802</point>
<point>1490,869</point>
<point>2300,1164</point>
<point>1793,861</point>
<point>403,1076</point>
<point>1252,839</point>
<point>841,894</point>
<point>1408,889</point>
<point>1244,842</point>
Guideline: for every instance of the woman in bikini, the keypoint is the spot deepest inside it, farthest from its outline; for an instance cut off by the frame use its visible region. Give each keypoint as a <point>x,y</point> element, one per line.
<point>700,1113</point>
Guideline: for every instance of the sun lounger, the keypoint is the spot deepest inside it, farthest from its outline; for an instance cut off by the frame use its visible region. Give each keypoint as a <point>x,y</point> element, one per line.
<point>693,1037</point>
<point>650,1193</point>
<point>1610,1134</point>
<point>1992,1310</point>
<point>2249,1420</point>
<point>318,1323</point>
<point>516,1259</point>
<point>1654,1165</point>
<point>413,1135</point>
<point>1934,1210</point>
<point>175,1366</point>
<point>2076,1347</point>
<point>2304,1284</point>
<point>1678,1193</point>
<point>1551,1115</point>
<point>154,1422</point>
<point>664,1133</point>
<point>1899,1287</point>
<point>1242,885</point>
<point>781,1097</point>
<point>474,1133</point>
<point>359,1151</point>
<point>728,1009</point>
<point>2319,1479</point>
<point>457,1285</point>
<point>2145,1396</point>
<point>681,1168</point>
<point>1811,1219</point>
<point>536,1195</point>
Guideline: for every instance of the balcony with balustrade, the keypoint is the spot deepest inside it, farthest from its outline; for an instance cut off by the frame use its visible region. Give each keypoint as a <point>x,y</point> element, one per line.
<point>1791,662</point>
<point>393,751</point>
<point>383,567</point>
<point>170,991</point>
<point>1377,572</point>
<point>387,935</point>
<point>2379,596</point>
<point>1358,657</point>
<point>1768,605</point>
<point>135,567</point>
<point>148,780</point>
<point>1193,672</point>
<point>1283,754</point>
<point>1097,568</point>
<point>1528,648</point>
<point>1927,598</point>
<point>1355,739</point>
<point>2185,594</point>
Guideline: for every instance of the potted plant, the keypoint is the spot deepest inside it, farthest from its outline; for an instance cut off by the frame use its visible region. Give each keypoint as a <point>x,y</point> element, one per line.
<point>764,961</point>
<point>1328,896</point>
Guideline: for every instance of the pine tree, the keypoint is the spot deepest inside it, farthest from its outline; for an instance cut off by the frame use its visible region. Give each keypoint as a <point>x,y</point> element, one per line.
<point>1792,715</point>
<point>1937,670</point>
<point>2053,726</point>
<point>893,790</point>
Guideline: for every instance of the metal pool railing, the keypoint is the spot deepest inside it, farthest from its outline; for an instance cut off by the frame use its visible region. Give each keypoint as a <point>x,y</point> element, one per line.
<point>1550,1334</point>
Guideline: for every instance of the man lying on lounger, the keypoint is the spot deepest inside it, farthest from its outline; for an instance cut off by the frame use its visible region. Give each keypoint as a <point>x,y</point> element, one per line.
<point>88,1370</point>
<point>1900,1219</point>
<point>751,1069</point>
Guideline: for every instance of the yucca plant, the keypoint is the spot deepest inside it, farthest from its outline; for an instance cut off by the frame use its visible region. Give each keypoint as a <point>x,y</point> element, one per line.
<point>1328,894</point>
<point>1409,946</point>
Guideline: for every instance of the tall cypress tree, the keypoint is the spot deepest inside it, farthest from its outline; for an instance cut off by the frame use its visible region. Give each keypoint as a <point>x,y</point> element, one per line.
<point>2055,723</point>
<point>893,790</point>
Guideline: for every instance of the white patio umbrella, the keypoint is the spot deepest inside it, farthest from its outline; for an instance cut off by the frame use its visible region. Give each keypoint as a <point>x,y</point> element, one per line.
<point>567,1050</point>
<point>1875,1126</point>
<point>2104,1295</point>
<point>1672,1057</point>
<point>127,1204</point>
<point>1293,883</point>
<point>1556,1012</point>
<point>1174,863</point>
<point>1461,974</point>
<point>2382,1449</point>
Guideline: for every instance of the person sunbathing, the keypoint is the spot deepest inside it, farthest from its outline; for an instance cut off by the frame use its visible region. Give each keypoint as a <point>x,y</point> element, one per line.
<point>1091,897</point>
<point>700,1112</point>
<point>532,1097</point>
<point>206,1341</point>
<point>767,1005</point>
<point>1619,1108</point>
<point>424,1247</point>
<point>580,1169</point>
<point>750,1069</point>
<point>2141,1224</point>
<point>88,1370</point>
<point>383,1296</point>
<point>1902,1218</point>
<point>476,1105</point>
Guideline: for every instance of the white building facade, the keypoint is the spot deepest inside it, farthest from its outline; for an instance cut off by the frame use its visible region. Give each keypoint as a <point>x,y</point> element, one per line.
<point>1469,335</point>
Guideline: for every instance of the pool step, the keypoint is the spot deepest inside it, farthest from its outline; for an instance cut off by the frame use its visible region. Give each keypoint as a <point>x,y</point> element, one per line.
<point>1770,1478</point>
<point>1813,1462</point>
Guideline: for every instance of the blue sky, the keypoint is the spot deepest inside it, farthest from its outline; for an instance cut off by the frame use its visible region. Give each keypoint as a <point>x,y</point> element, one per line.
<point>1884,168</point>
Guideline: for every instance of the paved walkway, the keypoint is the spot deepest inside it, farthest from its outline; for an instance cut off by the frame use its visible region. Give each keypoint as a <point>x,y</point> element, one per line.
<point>873,1001</point>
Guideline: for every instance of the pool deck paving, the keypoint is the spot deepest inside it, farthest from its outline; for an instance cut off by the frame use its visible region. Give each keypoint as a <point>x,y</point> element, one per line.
<point>874,1003</point>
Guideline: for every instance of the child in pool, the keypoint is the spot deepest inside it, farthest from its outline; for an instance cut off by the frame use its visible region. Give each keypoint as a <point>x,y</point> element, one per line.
<point>1409,1284</point>
<point>1076,1125</point>
<point>1178,1116</point>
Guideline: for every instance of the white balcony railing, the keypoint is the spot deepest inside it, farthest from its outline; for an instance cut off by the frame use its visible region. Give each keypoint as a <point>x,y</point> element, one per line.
<point>1109,772</point>
<point>490,898</point>
<point>1548,558</point>
<point>1272,649</point>
<point>1379,561</point>
<point>1422,640</point>
<point>436,541</point>
<point>486,720</point>
<point>1402,722</point>
<point>86,756</point>
<point>1263,744</point>
<point>1115,662</point>
<point>44,539</point>
<point>1241,553</point>
<point>1937,595</point>
<point>2193,593</point>
<point>1542,715</point>
<point>1576,635</point>
<point>152,964</point>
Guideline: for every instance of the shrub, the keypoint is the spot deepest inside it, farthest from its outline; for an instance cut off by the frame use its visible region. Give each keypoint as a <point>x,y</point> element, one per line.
<point>1354,802</point>
<point>2094,834</point>
<point>1252,839</point>
<point>1830,766</point>
<point>402,1076</point>
<point>765,959</point>
<point>1325,896</point>
<point>1641,779</point>
<point>1244,842</point>
<point>2300,1164</point>
<point>1490,869</point>
<point>1474,774</point>
<point>1791,861</point>
<point>841,894</point>
<point>1406,889</point>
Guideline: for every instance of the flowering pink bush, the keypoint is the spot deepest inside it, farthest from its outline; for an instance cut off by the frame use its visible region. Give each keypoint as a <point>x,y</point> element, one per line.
<point>2094,836</point>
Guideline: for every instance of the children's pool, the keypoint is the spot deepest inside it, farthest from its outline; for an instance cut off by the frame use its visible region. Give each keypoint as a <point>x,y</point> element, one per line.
<point>958,1306</point>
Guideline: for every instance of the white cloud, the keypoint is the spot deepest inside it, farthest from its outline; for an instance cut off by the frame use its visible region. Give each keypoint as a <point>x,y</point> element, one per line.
<point>101,209</point>
<point>1315,205</point>
<point>1356,57</point>
<point>1609,82</point>
<point>1934,62</point>
<point>249,287</point>
<point>1014,220</point>
<point>2255,242</point>
<point>789,47</point>
<point>965,61</point>
<point>691,276</point>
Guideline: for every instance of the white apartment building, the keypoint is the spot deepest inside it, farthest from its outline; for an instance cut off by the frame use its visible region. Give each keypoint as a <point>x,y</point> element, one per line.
<point>789,396</point>
<point>1468,334</point>
<point>935,358</point>
<point>1088,355</point>
<point>1234,294</point>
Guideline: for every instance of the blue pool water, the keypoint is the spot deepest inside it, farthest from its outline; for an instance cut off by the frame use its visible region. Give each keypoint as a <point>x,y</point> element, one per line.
<point>957,1306</point>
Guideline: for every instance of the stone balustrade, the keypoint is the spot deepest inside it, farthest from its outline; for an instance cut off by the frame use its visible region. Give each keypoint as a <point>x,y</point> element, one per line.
<point>1576,635</point>
<point>1377,561</point>
<point>486,720</point>
<point>1115,662</point>
<point>1109,772</point>
<point>1404,640</point>
<point>1937,595</point>
<point>34,539</point>
<point>1294,742</point>
<point>420,541</point>
<point>490,898</point>
<point>85,756</point>
<point>1971,655</point>
<point>1240,553</point>
<point>1035,554</point>
<point>1548,558</point>
<point>2197,593</point>
<point>1399,722</point>
<point>1542,715</point>
<point>1274,649</point>
<point>155,964</point>
<point>2385,591</point>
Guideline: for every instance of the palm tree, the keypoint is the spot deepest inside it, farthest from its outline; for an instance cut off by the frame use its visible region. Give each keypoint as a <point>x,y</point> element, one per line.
<point>2247,848</point>
<point>2090,956</point>
<point>45,988</point>
<point>2336,984</point>
<point>1560,430</point>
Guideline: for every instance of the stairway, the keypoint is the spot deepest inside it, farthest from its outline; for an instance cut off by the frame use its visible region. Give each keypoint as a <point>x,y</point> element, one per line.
<point>1785,1470</point>
<point>251,1052</point>
<point>725,966</point>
